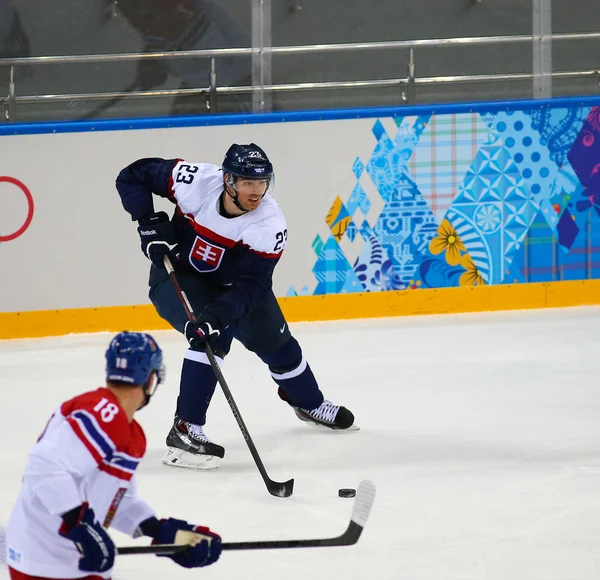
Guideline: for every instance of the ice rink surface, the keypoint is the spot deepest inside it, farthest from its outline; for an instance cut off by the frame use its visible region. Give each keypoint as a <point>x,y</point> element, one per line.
<point>480,431</point>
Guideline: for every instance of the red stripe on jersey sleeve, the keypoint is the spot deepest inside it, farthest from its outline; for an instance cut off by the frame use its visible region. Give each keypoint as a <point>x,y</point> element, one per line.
<point>115,471</point>
<point>265,255</point>
<point>84,439</point>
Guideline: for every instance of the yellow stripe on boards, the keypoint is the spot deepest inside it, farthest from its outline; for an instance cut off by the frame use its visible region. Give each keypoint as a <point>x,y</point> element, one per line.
<point>328,307</point>
<point>77,320</point>
<point>442,300</point>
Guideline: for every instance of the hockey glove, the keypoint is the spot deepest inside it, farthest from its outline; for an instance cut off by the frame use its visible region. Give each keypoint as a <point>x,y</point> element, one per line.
<point>158,238</point>
<point>97,549</point>
<point>205,546</point>
<point>201,332</point>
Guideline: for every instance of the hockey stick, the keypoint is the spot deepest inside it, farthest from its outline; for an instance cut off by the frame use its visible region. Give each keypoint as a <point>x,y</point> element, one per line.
<point>275,488</point>
<point>365,496</point>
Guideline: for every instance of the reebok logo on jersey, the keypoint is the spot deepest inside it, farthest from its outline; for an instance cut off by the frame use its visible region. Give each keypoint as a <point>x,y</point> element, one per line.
<point>148,232</point>
<point>206,257</point>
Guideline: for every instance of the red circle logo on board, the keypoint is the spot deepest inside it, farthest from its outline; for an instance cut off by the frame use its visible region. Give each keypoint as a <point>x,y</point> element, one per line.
<point>29,198</point>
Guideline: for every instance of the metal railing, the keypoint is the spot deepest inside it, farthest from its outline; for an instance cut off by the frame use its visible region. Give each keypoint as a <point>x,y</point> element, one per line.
<point>212,90</point>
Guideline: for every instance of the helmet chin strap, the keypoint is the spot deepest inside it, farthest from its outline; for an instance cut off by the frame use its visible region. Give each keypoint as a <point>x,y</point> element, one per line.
<point>230,184</point>
<point>234,198</point>
<point>149,386</point>
<point>146,400</point>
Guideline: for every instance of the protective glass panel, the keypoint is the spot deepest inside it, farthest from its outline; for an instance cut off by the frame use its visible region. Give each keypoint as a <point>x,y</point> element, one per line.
<point>352,21</point>
<point>575,17</point>
<point>305,79</point>
<point>72,27</point>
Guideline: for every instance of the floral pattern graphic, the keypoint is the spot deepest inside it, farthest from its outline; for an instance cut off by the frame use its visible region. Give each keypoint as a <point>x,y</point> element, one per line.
<point>590,201</point>
<point>594,118</point>
<point>472,276</point>
<point>449,241</point>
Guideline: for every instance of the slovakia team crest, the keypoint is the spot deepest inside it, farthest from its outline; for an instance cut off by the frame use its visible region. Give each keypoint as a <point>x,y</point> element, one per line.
<point>206,256</point>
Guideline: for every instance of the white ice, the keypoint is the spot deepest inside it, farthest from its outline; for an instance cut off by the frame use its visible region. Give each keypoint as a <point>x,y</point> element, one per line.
<point>481,433</point>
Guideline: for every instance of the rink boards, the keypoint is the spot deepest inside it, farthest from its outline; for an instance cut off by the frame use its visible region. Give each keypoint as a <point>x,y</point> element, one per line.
<point>412,210</point>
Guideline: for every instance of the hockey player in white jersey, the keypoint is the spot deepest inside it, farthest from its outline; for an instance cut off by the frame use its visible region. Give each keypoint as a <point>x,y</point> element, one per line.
<point>80,479</point>
<point>224,239</point>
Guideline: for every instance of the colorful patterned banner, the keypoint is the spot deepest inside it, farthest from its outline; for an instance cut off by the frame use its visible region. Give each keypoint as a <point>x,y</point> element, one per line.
<point>467,199</point>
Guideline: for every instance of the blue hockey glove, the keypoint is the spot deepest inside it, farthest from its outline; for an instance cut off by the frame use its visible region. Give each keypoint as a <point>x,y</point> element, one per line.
<point>90,537</point>
<point>205,546</point>
<point>201,332</point>
<point>158,238</point>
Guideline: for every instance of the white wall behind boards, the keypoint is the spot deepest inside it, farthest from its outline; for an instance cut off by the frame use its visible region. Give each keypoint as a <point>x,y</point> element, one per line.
<point>82,249</point>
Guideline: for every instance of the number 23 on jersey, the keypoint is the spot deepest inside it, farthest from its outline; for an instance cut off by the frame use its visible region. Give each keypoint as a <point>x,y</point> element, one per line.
<point>281,238</point>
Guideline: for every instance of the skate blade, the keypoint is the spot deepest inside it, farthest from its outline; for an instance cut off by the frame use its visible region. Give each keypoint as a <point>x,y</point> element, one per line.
<point>353,427</point>
<point>178,458</point>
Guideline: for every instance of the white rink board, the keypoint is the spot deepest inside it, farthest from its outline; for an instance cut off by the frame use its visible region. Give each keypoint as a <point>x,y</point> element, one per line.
<point>82,250</point>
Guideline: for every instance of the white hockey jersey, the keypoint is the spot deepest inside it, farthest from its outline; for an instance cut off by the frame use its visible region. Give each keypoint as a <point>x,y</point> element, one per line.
<point>196,188</point>
<point>88,452</point>
<point>239,252</point>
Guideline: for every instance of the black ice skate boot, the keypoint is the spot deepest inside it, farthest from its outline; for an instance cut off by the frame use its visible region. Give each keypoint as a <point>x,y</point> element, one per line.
<point>327,415</point>
<point>188,446</point>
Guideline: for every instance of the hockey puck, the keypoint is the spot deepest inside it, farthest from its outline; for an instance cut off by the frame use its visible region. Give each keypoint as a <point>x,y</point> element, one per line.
<point>346,492</point>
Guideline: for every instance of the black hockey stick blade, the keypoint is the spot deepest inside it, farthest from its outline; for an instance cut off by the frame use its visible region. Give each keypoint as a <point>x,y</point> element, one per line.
<point>279,489</point>
<point>365,496</point>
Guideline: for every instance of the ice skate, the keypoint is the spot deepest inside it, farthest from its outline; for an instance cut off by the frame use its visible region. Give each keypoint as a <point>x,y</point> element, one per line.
<point>326,415</point>
<point>189,447</point>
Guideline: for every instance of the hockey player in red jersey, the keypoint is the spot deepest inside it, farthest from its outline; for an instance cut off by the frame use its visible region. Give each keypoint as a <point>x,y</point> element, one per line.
<point>224,239</point>
<point>80,479</point>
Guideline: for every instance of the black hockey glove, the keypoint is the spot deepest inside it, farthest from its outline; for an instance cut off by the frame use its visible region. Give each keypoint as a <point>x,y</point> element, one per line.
<point>201,332</point>
<point>97,549</point>
<point>158,238</point>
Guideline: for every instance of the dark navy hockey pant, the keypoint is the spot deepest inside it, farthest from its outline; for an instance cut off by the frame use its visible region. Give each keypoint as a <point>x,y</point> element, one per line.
<point>263,331</point>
